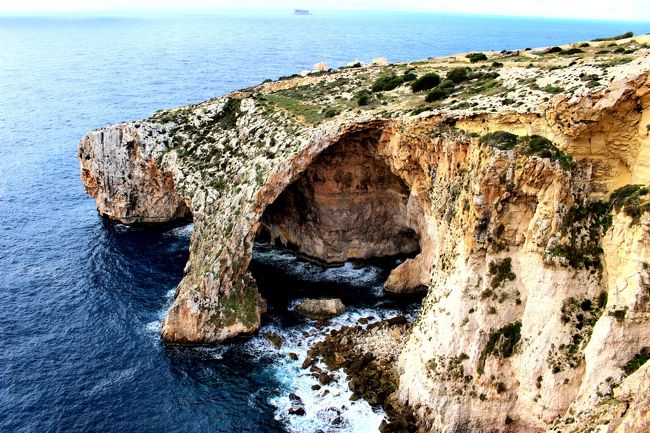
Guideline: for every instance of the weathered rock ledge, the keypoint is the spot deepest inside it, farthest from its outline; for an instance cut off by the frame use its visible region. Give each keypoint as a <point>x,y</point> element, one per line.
<point>521,189</point>
<point>368,355</point>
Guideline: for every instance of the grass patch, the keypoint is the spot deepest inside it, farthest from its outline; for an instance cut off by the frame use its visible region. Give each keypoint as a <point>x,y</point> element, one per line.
<point>436,94</point>
<point>363,97</point>
<point>553,90</point>
<point>311,114</point>
<point>458,75</point>
<point>571,51</point>
<point>581,230</point>
<point>536,145</point>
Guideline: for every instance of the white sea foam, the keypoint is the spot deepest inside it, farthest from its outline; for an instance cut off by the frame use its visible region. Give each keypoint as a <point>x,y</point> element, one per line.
<point>182,232</point>
<point>366,276</point>
<point>153,327</point>
<point>330,411</point>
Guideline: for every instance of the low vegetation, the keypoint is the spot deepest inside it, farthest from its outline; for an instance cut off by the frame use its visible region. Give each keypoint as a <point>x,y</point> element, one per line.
<point>628,198</point>
<point>436,94</point>
<point>581,316</point>
<point>387,82</point>
<point>533,145</point>
<point>476,57</point>
<point>637,361</point>
<point>426,82</point>
<point>501,271</point>
<point>614,38</point>
<point>458,75</point>
<point>502,343</point>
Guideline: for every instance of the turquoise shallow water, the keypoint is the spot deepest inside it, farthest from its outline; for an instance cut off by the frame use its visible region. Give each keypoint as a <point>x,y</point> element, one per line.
<point>81,300</point>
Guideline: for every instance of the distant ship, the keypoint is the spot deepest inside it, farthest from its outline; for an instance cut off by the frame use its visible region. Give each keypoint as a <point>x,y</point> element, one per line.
<point>301,12</point>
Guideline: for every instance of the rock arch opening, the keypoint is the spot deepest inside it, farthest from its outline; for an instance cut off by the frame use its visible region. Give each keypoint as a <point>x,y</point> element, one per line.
<point>346,205</point>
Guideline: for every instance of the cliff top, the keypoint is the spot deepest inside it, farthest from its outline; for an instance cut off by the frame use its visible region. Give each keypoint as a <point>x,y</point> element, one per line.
<point>462,85</point>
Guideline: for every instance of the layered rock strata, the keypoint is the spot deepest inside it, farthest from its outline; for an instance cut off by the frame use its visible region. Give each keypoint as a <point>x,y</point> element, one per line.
<point>521,188</point>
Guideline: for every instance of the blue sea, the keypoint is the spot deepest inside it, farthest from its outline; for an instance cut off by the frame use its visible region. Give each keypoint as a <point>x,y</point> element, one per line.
<point>81,300</point>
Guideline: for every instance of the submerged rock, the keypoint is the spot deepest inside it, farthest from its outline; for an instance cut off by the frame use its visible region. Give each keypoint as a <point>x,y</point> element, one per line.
<point>320,308</point>
<point>274,339</point>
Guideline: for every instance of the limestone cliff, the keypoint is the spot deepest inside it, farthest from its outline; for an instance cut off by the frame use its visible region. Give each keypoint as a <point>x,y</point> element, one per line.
<point>519,183</point>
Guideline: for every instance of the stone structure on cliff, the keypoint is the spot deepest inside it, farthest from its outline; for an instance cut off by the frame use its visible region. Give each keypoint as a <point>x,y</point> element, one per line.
<point>521,188</point>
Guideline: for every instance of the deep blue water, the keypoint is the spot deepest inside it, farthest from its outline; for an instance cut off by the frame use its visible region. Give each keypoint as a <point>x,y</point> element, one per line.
<point>80,300</point>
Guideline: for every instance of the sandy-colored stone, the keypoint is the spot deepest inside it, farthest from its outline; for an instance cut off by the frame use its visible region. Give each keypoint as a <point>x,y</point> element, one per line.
<point>320,308</point>
<point>511,247</point>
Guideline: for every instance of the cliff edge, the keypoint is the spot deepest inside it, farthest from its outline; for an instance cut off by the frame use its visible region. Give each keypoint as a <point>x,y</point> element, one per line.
<point>518,180</point>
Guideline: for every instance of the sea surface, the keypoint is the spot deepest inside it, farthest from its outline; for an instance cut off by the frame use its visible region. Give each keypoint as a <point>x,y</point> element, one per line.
<point>81,300</point>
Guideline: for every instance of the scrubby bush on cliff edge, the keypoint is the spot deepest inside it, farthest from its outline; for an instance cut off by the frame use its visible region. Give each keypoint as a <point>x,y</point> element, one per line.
<point>426,82</point>
<point>476,57</point>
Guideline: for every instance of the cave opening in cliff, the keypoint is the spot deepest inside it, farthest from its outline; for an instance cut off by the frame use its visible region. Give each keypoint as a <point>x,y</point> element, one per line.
<point>347,208</point>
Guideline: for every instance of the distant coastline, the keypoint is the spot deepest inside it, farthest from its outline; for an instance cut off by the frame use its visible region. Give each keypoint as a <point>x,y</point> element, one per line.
<point>301,12</point>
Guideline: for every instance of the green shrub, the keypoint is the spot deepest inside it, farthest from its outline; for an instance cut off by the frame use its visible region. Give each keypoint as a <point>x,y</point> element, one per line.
<point>409,76</point>
<point>571,51</point>
<point>497,64</point>
<point>502,140</point>
<point>554,90</point>
<point>536,145</point>
<point>363,97</point>
<point>553,50</point>
<point>330,112</point>
<point>436,94</point>
<point>619,314</point>
<point>614,38</point>
<point>457,75</point>
<point>476,57</point>
<point>501,343</point>
<point>628,198</point>
<point>426,82</point>
<point>501,270</point>
<point>387,82</point>
<point>639,359</point>
<point>446,84</point>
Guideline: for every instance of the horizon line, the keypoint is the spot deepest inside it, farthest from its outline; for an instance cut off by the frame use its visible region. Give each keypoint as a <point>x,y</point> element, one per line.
<point>109,12</point>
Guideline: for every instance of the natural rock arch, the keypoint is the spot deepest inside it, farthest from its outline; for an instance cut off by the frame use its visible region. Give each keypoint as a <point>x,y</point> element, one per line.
<point>347,204</point>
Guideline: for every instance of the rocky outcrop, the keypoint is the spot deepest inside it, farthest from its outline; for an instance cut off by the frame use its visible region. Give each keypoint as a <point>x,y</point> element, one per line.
<point>320,308</point>
<point>119,168</point>
<point>536,275</point>
<point>368,355</point>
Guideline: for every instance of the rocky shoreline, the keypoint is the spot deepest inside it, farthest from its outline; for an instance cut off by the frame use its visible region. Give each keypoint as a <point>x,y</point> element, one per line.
<point>368,355</point>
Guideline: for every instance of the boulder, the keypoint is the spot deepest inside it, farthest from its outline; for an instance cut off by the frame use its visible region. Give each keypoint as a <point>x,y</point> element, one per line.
<point>297,406</point>
<point>319,309</point>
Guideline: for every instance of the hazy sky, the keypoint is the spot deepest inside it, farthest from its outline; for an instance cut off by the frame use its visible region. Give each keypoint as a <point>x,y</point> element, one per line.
<point>599,9</point>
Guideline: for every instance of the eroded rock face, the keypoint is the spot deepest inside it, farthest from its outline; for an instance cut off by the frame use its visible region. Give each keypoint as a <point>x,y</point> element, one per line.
<point>119,168</point>
<point>537,287</point>
<point>346,205</point>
